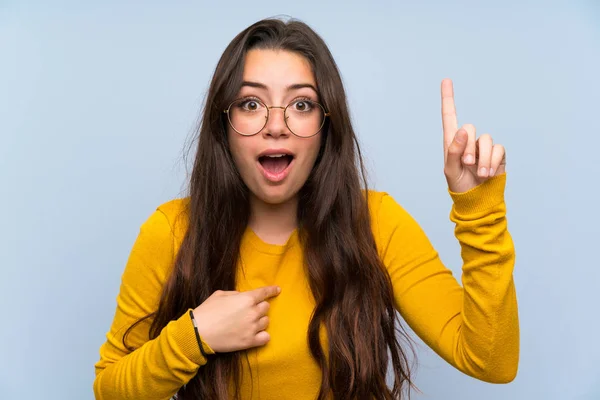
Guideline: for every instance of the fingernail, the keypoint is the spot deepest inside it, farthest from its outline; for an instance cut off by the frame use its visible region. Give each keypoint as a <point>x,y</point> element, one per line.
<point>483,171</point>
<point>460,136</point>
<point>491,171</point>
<point>278,289</point>
<point>469,159</point>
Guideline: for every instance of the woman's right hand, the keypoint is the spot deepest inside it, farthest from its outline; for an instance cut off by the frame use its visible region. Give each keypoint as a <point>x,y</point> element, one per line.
<point>230,320</point>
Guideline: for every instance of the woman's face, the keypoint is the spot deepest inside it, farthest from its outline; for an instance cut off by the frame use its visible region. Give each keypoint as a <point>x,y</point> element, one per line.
<point>276,78</point>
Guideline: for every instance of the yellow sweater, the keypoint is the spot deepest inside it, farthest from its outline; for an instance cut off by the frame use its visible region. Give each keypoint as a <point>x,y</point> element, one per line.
<point>474,327</point>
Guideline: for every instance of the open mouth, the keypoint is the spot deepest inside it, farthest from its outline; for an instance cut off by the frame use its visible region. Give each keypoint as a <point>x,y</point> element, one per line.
<point>275,164</point>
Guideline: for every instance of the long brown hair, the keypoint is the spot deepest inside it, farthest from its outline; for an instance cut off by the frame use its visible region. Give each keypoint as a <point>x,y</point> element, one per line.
<point>350,285</point>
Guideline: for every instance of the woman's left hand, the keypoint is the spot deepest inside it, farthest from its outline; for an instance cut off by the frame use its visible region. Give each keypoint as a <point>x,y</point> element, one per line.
<point>468,160</point>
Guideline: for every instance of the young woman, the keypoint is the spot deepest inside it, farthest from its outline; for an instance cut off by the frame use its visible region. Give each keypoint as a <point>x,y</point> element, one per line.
<point>280,275</point>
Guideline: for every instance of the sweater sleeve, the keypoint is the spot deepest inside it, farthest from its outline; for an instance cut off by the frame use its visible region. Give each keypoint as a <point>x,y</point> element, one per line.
<point>475,326</point>
<point>157,368</point>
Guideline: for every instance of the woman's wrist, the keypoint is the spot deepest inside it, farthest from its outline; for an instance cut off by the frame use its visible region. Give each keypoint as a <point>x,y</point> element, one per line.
<point>198,338</point>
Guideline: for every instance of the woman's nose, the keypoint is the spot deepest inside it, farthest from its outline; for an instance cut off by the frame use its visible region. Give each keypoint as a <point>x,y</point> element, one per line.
<point>276,125</point>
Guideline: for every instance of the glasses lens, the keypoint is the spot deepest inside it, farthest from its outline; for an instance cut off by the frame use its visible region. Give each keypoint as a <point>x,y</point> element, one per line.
<point>304,117</point>
<point>248,116</point>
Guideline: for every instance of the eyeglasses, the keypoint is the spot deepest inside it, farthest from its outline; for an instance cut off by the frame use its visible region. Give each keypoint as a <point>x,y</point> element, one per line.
<point>248,116</point>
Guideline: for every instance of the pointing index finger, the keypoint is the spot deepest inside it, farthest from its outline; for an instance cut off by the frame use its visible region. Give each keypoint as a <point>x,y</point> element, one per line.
<point>449,121</point>
<point>265,292</point>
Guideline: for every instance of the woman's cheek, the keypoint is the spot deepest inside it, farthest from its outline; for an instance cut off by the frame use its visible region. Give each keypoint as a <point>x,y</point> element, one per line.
<point>313,153</point>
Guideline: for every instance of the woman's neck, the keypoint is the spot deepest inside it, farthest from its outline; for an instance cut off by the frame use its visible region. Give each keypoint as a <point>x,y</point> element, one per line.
<point>273,223</point>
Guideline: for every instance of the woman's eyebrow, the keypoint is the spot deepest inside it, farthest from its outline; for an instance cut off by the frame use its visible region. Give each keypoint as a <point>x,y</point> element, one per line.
<point>295,86</point>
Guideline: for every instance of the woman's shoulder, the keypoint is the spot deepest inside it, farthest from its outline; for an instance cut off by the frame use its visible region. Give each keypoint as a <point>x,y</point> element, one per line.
<point>171,218</point>
<point>387,214</point>
<point>382,203</point>
<point>392,223</point>
<point>175,208</point>
<point>374,197</point>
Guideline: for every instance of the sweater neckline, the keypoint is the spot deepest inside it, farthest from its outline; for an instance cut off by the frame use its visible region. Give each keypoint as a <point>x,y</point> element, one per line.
<point>270,248</point>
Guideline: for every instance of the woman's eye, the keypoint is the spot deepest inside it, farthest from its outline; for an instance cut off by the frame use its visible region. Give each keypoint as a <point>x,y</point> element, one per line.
<point>250,105</point>
<point>302,105</point>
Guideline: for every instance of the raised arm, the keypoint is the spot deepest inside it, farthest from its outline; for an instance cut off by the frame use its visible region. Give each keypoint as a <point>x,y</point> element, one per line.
<point>474,327</point>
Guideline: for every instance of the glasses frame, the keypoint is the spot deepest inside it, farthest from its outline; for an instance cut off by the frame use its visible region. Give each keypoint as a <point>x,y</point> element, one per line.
<point>325,115</point>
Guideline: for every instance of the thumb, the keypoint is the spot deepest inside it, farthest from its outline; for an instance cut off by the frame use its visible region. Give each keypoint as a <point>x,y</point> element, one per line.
<point>454,166</point>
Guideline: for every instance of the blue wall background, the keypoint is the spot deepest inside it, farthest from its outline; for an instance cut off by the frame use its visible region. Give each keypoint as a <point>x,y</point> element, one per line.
<point>97,100</point>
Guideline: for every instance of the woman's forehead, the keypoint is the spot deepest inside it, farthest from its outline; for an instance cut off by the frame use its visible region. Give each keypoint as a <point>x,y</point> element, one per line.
<point>278,70</point>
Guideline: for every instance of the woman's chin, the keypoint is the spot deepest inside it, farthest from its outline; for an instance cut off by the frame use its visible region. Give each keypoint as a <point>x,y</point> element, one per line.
<point>275,195</point>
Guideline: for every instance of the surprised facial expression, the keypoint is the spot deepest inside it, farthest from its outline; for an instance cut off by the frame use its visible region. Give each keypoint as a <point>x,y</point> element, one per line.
<point>273,161</point>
